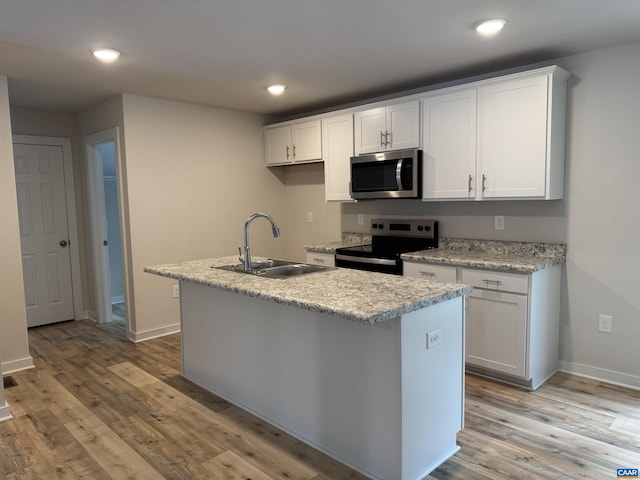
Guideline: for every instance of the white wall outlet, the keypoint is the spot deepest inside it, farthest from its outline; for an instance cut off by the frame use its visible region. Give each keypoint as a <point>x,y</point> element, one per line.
<point>361,219</point>
<point>176,291</point>
<point>433,338</point>
<point>309,217</point>
<point>605,323</point>
<point>499,222</point>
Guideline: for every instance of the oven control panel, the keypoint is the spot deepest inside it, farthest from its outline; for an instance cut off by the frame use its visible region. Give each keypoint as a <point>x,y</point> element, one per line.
<point>404,228</point>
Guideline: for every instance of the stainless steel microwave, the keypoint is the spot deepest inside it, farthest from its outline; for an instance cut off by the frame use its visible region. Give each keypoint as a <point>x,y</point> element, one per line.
<point>396,174</point>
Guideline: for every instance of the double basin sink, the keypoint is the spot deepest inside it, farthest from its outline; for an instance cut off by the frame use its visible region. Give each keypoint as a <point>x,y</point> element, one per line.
<point>276,268</point>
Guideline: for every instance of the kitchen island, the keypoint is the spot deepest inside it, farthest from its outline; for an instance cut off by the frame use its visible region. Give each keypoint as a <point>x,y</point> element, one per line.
<point>366,367</point>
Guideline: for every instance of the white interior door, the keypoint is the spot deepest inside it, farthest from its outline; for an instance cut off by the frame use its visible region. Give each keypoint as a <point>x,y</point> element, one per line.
<point>44,233</point>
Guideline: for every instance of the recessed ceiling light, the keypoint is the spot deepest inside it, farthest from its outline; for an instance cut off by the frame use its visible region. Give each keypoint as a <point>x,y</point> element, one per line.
<point>276,89</point>
<point>106,55</point>
<point>491,27</point>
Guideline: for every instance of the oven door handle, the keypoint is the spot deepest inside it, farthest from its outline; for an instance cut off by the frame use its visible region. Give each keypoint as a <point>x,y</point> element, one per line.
<point>372,261</point>
<point>399,174</point>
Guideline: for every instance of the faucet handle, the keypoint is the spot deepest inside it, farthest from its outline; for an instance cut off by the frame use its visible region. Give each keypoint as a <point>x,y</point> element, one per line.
<point>240,257</point>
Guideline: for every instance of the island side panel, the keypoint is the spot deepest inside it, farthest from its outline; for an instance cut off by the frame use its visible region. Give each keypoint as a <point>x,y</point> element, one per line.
<point>329,381</point>
<point>432,386</point>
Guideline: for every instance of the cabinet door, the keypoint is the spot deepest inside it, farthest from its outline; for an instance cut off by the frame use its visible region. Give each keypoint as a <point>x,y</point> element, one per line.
<point>370,127</point>
<point>337,145</point>
<point>512,136</point>
<point>324,259</point>
<point>496,331</point>
<point>277,145</point>
<point>306,141</point>
<point>403,126</point>
<point>449,154</point>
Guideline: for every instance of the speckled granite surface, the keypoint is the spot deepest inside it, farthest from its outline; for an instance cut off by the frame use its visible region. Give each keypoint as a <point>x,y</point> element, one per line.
<point>495,255</point>
<point>491,254</point>
<point>359,296</point>
<point>349,239</point>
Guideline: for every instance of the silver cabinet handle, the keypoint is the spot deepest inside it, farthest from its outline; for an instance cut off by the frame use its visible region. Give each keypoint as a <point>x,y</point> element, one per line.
<point>383,141</point>
<point>497,283</point>
<point>427,274</point>
<point>287,152</point>
<point>319,260</point>
<point>294,151</point>
<point>484,179</point>
<point>470,178</point>
<point>387,142</point>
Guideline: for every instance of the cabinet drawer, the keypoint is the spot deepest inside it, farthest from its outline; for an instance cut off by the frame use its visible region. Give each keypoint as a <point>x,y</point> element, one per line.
<point>430,271</point>
<point>507,282</point>
<point>324,259</point>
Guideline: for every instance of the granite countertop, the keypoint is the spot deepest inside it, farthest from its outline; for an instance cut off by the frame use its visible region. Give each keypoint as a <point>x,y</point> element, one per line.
<point>524,257</point>
<point>348,240</point>
<point>356,295</point>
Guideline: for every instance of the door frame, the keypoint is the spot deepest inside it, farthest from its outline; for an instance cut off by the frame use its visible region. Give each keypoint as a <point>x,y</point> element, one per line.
<point>70,197</point>
<point>95,191</point>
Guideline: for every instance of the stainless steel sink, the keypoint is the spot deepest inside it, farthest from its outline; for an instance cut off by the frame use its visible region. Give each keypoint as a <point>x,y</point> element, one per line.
<point>276,268</point>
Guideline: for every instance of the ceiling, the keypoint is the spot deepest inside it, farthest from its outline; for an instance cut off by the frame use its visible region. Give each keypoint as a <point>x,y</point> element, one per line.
<point>328,52</point>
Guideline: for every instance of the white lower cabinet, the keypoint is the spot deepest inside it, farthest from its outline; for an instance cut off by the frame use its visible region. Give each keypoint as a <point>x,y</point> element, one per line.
<point>324,259</point>
<point>497,331</point>
<point>512,320</point>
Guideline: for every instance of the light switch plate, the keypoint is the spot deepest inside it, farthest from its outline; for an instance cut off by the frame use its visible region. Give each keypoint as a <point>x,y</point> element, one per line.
<point>499,222</point>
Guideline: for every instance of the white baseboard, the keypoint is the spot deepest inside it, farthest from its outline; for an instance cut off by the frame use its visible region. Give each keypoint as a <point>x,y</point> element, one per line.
<point>600,374</point>
<point>5,413</point>
<point>13,366</point>
<point>153,333</point>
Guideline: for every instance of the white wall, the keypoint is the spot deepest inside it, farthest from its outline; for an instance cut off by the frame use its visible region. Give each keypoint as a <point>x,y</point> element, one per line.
<point>597,219</point>
<point>13,318</point>
<point>194,174</point>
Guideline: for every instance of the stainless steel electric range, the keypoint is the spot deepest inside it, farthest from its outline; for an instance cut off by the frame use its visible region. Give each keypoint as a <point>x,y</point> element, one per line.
<point>390,239</point>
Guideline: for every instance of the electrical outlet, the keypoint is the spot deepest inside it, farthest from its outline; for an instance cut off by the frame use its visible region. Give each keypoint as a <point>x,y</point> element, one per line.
<point>309,217</point>
<point>605,323</point>
<point>499,222</point>
<point>176,291</point>
<point>433,338</point>
<point>361,219</point>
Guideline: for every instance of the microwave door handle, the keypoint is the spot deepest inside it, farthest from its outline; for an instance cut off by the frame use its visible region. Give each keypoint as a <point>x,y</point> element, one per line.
<point>399,174</point>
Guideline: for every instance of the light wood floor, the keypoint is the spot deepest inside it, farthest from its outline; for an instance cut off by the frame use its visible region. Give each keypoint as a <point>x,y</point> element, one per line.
<point>100,407</point>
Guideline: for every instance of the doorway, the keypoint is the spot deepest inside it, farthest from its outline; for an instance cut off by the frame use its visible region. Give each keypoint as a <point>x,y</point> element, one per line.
<point>114,244</point>
<point>105,201</point>
<point>48,229</point>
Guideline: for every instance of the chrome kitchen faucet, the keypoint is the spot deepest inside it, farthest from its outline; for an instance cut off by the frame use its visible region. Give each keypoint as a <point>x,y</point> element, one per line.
<point>246,259</point>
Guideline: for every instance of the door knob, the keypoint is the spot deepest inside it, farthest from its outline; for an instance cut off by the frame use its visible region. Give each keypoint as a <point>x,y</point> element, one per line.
<point>63,243</point>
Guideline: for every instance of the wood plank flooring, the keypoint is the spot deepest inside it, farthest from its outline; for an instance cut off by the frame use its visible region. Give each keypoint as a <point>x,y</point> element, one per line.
<point>100,407</point>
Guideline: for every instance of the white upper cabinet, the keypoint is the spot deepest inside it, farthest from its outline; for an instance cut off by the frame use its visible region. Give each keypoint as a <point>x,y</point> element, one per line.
<point>393,127</point>
<point>449,156</point>
<point>293,143</point>
<point>512,138</point>
<point>497,139</point>
<point>337,147</point>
